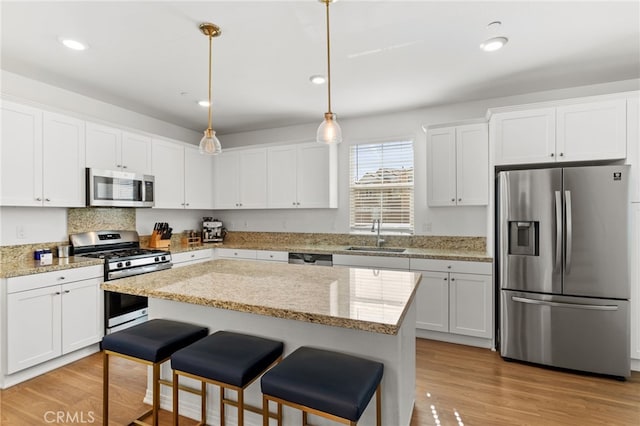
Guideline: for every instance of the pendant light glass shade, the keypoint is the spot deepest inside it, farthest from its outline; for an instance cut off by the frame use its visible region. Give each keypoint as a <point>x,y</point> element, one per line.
<point>209,144</point>
<point>329,131</point>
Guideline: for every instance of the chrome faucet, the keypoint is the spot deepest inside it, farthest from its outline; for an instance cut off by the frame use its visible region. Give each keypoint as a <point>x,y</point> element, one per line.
<point>379,240</point>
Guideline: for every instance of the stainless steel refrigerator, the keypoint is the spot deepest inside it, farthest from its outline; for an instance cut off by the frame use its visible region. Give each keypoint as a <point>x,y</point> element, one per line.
<point>562,264</point>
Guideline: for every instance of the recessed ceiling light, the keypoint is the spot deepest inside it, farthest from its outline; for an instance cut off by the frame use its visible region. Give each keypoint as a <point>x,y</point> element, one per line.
<point>317,79</point>
<point>493,44</point>
<point>73,44</point>
<point>204,104</point>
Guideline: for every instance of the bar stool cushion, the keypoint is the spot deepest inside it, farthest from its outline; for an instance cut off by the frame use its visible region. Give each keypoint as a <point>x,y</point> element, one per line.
<point>153,340</point>
<point>227,357</point>
<point>328,381</point>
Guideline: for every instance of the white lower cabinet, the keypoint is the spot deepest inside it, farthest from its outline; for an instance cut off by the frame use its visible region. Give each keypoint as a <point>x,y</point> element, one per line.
<point>266,255</point>
<point>455,297</point>
<point>52,314</point>
<point>187,258</point>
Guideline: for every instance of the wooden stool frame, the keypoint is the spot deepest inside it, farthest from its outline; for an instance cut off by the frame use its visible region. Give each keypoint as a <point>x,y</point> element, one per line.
<point>223,400</point>
<point>308,410</point>
<point>156,382</point>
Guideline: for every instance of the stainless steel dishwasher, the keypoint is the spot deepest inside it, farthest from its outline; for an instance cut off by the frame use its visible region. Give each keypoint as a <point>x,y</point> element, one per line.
<point>313,259</point>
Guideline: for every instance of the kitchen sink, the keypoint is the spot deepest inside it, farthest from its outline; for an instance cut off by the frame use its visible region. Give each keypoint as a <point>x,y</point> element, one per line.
<point>378,249</point>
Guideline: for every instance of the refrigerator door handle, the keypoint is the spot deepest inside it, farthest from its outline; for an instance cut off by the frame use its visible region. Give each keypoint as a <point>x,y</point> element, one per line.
<point>558,230</point>
<point>569,248</point>
<point>565,305</point>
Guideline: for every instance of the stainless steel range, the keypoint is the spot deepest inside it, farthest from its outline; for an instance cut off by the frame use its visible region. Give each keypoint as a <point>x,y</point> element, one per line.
<point>123,257</point>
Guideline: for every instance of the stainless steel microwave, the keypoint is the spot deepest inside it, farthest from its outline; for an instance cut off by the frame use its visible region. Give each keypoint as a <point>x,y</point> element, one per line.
<point>111,188</point>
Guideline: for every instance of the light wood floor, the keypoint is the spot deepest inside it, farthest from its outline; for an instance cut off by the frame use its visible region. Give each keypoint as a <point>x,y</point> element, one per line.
<point>456,385</point>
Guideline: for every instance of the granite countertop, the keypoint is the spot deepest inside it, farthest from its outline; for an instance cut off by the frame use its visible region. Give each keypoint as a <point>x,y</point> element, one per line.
<point>361,299</point>
<point>18,268</point>
<point>416,253</point>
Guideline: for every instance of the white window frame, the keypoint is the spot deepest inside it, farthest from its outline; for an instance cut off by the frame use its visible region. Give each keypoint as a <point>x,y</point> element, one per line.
<point>386,228</point>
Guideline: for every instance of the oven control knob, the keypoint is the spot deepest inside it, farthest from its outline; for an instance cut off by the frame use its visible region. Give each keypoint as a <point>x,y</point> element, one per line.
<point>127,263</point>
<point>119,265</point>
<point>156,259</point>
<point>164,258</point>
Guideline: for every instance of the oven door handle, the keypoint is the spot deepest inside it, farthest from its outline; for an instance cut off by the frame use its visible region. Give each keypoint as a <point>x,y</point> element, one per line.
<point>122,273</point>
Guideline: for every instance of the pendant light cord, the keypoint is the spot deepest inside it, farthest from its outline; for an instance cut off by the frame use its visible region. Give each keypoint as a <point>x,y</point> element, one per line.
<point>210,48</point>
<point>328,59</point>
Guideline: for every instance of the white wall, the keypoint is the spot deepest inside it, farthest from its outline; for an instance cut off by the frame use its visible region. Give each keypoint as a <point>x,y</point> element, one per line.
<point>459,221</point>
<point>28,225</point>
<point>23,89</point>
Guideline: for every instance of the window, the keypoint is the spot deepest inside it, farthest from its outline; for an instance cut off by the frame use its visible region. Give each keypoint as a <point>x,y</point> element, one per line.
<point>381,186</point>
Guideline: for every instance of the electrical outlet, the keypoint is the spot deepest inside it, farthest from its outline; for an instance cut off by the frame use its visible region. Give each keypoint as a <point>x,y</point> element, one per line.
<point>20,232</point>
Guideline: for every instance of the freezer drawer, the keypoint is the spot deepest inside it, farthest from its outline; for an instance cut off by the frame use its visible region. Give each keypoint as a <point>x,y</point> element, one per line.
<point>570,332</point>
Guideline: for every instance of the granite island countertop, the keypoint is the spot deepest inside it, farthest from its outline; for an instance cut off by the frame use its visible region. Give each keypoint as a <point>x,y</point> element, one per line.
<point>361,299</point>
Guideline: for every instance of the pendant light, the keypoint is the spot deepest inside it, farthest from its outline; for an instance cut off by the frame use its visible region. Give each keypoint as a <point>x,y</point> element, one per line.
<point>209,144</point>
<point>329,131</point>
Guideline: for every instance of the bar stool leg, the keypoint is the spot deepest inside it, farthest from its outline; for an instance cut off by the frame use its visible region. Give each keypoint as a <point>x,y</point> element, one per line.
<point>175,399</point>
<point>105,389</point>
<point>222,406</point>
<point>240,407</point>
<point>279,411</point>
<point>304,418</point>
<point>203,397</point>
<point>156,393</point>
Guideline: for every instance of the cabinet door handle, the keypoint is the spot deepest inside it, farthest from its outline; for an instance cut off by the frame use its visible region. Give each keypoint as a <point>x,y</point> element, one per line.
<point>46,199</point>
<point>298,204</point>
<point>124,167</point>
<point>294,203</point>
<point>118,165</point>
<point>57,293</point>
<point>453,200</point>
<point>271,256</point>
<point>459,199</point>
<point>61,278</point>
<point>67,291</point>
<point>38,199</point>
<point>552,154</point>
<point>453,279</point>
<point>562,154</point>
<point>186,204</point>
<point>449,267</point>
<point>445,279</point>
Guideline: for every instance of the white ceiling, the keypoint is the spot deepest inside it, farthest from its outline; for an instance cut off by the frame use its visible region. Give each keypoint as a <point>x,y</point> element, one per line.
<point>386,55</point>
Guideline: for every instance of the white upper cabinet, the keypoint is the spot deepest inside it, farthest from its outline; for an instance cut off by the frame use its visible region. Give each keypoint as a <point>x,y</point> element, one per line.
<point>573,132</point>
<point>458,165</point>
<point>21,155</point>
<point>112,149</point>
<point>183,176</point>
<point>198,179</point>
<point>241,179</point>
<point>168,170</point>
<point>42,158</point>
<point>591,131</point>
<point>302,176</point>
<point>524,136</point>
<point>63,161</point>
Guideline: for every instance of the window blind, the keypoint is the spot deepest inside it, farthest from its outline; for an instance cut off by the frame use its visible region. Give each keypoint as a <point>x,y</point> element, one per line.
<point>381,186</point>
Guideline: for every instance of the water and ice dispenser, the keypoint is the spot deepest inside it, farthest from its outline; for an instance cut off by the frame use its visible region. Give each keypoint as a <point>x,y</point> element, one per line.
<point>523,237</point>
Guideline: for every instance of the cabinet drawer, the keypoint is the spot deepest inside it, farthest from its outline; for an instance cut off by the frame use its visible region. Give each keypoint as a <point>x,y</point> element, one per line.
<point>274,256</point>
<point>190,256</point>
<point>46,279</point>
<point>374,262</point>
<point>484,268</point>
<point>227,253</point>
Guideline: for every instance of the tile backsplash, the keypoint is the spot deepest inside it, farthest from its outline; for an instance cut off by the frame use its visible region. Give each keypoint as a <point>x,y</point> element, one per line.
<point>101,219</point>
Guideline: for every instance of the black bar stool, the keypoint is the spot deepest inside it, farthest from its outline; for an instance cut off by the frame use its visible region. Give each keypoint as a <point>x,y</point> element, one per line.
<point>150,343</point>
<point>333,385</point>
<point>228,360</point>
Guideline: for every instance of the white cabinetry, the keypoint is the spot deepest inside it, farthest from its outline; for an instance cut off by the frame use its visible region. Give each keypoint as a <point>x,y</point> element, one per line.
<point>455,297</point>
<point>458,165</point>
<point>183,177</point>
<point>112,149</point>
<point>267,255</point>
<point>187,258</point>
<point>241,179</point>
<point>42,158</point>
<point>594,130</point>
<point>302,176</point>
<point>52,314</point>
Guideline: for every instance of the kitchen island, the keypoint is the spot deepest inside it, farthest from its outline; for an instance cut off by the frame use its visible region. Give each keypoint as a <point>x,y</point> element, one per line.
<point>363,312</point>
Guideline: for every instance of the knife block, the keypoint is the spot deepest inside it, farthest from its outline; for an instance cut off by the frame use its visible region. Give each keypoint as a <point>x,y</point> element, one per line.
<point>156,242</point>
